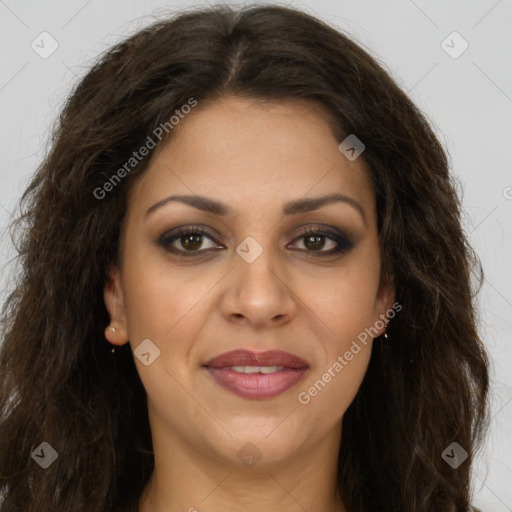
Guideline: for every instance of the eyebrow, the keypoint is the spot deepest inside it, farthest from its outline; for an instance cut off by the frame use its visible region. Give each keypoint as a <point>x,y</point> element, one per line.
<point>293,207</point>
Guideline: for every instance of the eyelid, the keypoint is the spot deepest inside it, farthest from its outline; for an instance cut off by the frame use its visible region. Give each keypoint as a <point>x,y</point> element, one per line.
<point>174,234</point>
<point>336,235</point>
<point>343,241</point>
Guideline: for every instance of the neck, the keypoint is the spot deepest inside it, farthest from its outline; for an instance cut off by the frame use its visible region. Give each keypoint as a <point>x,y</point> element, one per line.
<point>186,480</point>
<point>233,492</point>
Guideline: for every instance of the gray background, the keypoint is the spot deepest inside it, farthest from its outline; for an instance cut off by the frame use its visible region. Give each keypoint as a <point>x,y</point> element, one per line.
<point>468,99</point>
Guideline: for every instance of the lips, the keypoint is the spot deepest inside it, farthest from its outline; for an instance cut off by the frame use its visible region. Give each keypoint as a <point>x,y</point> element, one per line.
<point>248,358</point>
<point>286,370</point>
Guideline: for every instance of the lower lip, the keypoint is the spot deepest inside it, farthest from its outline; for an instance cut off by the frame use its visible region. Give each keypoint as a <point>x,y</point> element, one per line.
<point>257,385</point>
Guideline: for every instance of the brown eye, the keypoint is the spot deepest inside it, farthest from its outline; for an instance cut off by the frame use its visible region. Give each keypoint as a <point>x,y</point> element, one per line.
<point>315,241</point>
<point>185,240</point>
<point>189,241</point>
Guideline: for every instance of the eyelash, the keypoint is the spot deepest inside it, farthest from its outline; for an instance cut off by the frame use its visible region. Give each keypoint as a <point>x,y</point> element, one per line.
<point>165,241</point>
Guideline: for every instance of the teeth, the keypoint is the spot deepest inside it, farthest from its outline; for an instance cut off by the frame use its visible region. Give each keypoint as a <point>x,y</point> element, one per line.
<point>256,369</point>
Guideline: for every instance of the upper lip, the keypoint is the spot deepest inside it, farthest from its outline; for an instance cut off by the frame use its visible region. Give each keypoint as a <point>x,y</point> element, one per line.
<point>248,358</point>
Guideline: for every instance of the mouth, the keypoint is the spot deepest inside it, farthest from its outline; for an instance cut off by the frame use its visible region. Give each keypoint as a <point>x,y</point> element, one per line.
<point>257,375</point>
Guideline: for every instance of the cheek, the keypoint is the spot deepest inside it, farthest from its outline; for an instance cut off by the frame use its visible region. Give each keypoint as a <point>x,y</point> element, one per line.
<point>344,304</point>
<point>331,390</point>
<point>344,301</point>
<point>161,297</point>
<point>169,308</point>
<point>345,307</point>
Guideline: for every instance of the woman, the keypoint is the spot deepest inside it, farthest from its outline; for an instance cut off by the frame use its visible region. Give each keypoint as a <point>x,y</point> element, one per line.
<point>244,286</point>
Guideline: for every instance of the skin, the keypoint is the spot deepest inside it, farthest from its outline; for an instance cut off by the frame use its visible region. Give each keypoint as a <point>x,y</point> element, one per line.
<point>254,157</point>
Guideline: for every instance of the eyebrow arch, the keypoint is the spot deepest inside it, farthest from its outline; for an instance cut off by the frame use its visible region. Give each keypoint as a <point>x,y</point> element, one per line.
<point>293,207</point>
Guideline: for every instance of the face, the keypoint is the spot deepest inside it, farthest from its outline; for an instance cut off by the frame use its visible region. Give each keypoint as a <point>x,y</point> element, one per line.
<point>261,264</point>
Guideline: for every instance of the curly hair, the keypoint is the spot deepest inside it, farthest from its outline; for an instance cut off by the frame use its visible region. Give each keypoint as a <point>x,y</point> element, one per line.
<point>426,387</point>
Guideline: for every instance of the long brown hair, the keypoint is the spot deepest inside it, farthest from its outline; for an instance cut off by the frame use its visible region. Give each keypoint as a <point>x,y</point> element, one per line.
<point>426,386</point>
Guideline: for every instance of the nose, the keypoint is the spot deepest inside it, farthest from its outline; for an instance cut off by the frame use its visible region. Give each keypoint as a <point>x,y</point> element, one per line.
<point>259,293</point>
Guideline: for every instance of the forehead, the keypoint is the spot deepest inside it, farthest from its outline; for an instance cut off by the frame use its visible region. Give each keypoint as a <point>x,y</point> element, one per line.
<point>252,153</point>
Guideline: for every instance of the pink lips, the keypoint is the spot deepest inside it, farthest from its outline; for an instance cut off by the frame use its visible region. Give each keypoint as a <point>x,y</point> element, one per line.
<point>257,385</point>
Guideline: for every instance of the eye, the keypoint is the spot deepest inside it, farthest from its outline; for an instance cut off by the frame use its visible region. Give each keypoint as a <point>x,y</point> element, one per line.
<point>314,240</point>
<point>186,239</point>
<point>189,241</point>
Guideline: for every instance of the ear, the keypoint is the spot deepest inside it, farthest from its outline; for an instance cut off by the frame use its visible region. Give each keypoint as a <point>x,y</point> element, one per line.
<point>114,302</point>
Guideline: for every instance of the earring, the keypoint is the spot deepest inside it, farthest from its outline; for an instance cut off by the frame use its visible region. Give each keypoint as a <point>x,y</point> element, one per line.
<point>113,330</point>
<point>385,335</point>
